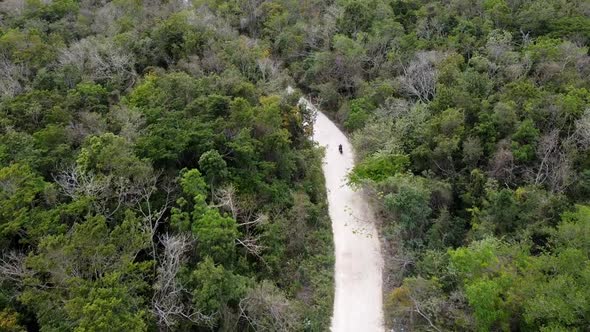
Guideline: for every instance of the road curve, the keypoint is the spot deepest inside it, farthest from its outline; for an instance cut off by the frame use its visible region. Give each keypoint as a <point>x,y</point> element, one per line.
<point>358,269</point>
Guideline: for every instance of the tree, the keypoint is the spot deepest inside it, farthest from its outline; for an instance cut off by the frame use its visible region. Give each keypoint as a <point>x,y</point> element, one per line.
<point>214,287</point>
<point>265,308</point>
<point>358,114</point>
<point>168,301</point>
<point>357,16</point>
<point>524,141</point>
<point>214,167</point>
<point>110,154</point>
<point>379,167</point>
<point>419,303</point>
<point>98,267</point>
<point>106,306</point>
<point>9,321</point>
<point>12,76</point>
<point>20,192</point>
<point>216,234</point>
<point>419,79</point>
<point>409,205</point>
<point>100,60</point>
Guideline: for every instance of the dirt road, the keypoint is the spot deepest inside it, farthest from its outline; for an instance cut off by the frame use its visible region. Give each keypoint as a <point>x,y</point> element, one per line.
<point>358,279</point>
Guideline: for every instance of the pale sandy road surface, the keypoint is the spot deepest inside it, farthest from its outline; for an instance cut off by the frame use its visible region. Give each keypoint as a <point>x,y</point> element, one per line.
<point>358,269</point>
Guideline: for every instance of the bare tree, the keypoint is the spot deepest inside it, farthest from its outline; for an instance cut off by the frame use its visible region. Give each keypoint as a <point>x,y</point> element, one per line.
<point>269,68</point>
<point>129,120</point>
<point>86,124</point>
<point>420,304</point>
<point>12,7</point>
<point>226,200</point>
<point>153,217</point>
<point>526,37</point>
<point>555,168</point>
<point>168,301</point>
<point>245,214</point>
<point>75,183</point>
<point>265,308</point>
<point>419,79</point>
<point>571,54</point>
<point>111,194</point>
<point>502,165</point>
<point>12,267</point>
<point>499,43</point>
<point>242,210</point>
<point>430,27</point>
<point>582,132</point>
<point>251,13</point>
<point>105,18</point>
<point>100,59</point>
<point>252,245</point>
<point>108,193</point>
<point>308,109</point>
<point>329,25</point>
<point>11,76</point>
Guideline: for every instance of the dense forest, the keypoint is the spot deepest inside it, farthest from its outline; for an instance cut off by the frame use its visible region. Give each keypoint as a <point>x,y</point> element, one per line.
<point>471,122</point>
<point>155,175</point>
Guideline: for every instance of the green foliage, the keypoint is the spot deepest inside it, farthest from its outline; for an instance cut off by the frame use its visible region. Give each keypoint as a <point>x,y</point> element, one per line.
<point>379,167</point>
<point>496,152</point>
<point>105,307</point>
<point>9,321</point>
<point>358,114</point>
<point>88,97</point>
<point>110,154</point>
<point>503,281</point>
<point>214,286</point>
<point>409,206</point>
<point>192,183</point>
<point>214,167</point>
<point>51,11</point>
<point>98,265</point>
<point>573,230</point>
<point>482,187</point>
<point>86,156</point>
<point>216,235</point>
<point>20,192</point>
<point>524,141</point>
<point>485,298</point>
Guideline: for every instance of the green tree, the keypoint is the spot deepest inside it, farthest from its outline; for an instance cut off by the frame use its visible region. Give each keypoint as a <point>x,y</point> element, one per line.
<point>20,193</point>
<point>358,114</point>
<point>214,287</point>
<point>409,205</point>
<point>524,141</point>
<point>214,167</point>
<point>98,267</point>
<point>216,234</point>
<point>379,167</point>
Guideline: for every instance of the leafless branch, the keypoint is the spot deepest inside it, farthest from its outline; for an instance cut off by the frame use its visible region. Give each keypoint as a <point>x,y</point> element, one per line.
<point>168,304</point>
<point>11,77</point>
<point>99,59</point>
<point>12,267</point>
<point>419,79</point>
<point>265,308</point>
<point>421,313</point>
